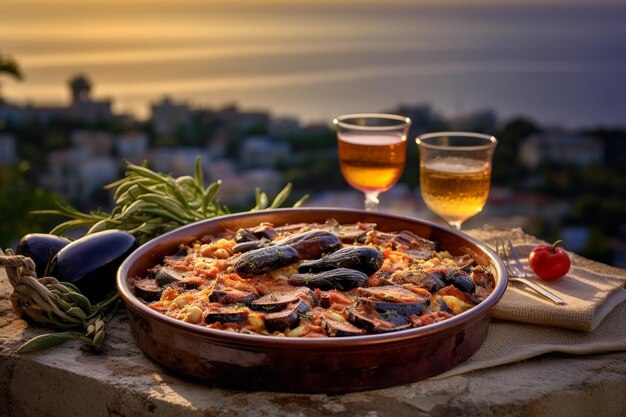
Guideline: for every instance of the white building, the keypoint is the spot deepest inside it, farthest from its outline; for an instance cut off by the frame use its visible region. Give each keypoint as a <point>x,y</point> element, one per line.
<point>168,116</point>
<point>261,151</point>
<point>132,146</point>
<point>219,169</point>
<point>240,189</point>
<point>218,144</point>
<point>77,174</point>
<point>176,161</point>
<point>504,203</point>
<point>95,174</point>
<point>233,119</point>
<point>561,148</point>
<point>398,200</point>
<point>96,142</point>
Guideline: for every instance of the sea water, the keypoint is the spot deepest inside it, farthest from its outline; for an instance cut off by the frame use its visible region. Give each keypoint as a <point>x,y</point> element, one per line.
<point>558,64</point>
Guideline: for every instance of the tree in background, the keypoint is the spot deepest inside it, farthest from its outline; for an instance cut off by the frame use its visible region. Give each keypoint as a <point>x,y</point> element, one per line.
<point>17,200</point>
<point>9,66</point>
<point>17,197</point>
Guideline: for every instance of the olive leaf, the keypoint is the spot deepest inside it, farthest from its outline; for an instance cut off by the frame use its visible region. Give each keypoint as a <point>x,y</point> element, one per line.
<point>57,305</point>
<point>48,340</point>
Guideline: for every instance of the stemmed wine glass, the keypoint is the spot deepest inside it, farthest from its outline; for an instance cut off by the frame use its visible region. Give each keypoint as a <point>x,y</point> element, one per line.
<point>455,173</point>
<point>372,152</point>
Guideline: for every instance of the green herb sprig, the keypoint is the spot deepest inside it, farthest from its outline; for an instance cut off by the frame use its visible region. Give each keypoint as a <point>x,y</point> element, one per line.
<point>149,203</point>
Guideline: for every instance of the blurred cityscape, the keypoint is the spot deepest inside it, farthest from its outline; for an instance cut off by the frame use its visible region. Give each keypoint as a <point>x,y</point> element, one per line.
<point>552,182</point>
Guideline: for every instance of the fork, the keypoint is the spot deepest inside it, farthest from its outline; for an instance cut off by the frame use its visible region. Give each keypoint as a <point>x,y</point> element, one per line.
<point>517,272</point>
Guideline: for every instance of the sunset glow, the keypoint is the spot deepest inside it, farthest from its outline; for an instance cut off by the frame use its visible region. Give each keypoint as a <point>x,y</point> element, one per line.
<point>271,54</point>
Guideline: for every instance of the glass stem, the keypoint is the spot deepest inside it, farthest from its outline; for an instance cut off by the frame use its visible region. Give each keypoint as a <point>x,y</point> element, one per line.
<point>456,225</point>
<point>371,200</point>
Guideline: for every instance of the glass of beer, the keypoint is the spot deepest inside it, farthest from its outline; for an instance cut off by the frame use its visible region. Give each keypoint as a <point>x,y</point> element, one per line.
<point>455,173</point>
<point>372,152</point>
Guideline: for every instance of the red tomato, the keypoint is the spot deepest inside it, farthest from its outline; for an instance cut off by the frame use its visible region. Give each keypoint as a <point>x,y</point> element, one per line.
<point>549,262</point>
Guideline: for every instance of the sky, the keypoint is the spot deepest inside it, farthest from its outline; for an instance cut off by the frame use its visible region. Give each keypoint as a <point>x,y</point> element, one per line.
<point>311,56</point>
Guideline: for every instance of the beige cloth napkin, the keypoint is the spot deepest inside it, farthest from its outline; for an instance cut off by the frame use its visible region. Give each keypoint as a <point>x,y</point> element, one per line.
<point>509,342</point>
<point>589,295</point>
<point>527,325</point>
<point>591,290</point>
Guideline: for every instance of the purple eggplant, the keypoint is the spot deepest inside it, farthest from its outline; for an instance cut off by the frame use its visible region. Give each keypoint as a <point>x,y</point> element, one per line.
<point>41,248</point>
<point>91,262</point>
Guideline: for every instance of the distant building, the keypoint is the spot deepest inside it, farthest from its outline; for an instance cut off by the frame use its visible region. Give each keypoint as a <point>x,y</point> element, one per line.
<point>168,116</point>
<point>267,180</point>
<point>8,153</point>
<point>262,151</point>
<point>83,169</point>
<point>219,169</point>
<point>235,120</point>
<point>218,144</point>
<point>176,161</point>
<point>240,189</point>
<point>62,175</point>
<point>316,129</point>
<point>423,118</point>
<point>82,107</point>
<point>484,120</point>
<point>76,174</point>
<point>561,148</point>
<point>96,142</point>
<point>283,127</point>
<point>80,88</point>
<point>504,203</point>
<point>43,114</point>
<point>96,173</point>
<point>398,200</point>
<point>10,113</point>
<point>132,146</point>
<point>336,198</point>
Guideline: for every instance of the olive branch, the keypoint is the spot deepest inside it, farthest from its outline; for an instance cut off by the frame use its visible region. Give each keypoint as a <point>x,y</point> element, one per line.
<point>59,305</point>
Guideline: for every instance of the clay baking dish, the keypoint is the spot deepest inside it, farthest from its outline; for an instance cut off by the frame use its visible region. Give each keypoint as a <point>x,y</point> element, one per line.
<point>328,365</point>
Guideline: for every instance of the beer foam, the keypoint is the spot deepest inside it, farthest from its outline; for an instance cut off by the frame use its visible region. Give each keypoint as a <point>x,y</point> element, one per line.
<point>457,165</point>
<point>371,139</point>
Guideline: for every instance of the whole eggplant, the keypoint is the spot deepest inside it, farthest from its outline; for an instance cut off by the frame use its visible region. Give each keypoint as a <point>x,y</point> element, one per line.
<point>41,248</point>
<point>91,262</point>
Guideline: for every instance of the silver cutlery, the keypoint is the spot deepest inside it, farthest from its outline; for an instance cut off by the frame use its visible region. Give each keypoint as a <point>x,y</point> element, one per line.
<point>517,272</point>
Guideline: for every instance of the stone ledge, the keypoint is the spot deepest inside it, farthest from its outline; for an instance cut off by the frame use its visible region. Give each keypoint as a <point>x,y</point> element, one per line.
<point>122,382</point>
<point>69,382</point>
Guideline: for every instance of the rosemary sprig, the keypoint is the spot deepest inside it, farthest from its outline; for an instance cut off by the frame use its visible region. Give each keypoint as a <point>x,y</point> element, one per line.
<point>149,203</point>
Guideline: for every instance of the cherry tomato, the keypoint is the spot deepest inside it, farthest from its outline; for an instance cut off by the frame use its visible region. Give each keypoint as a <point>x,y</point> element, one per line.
<point>549,262</point>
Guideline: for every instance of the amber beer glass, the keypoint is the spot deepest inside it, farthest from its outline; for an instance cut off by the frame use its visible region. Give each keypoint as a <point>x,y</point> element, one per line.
<point>455,173</point>
<point>372,152</point>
